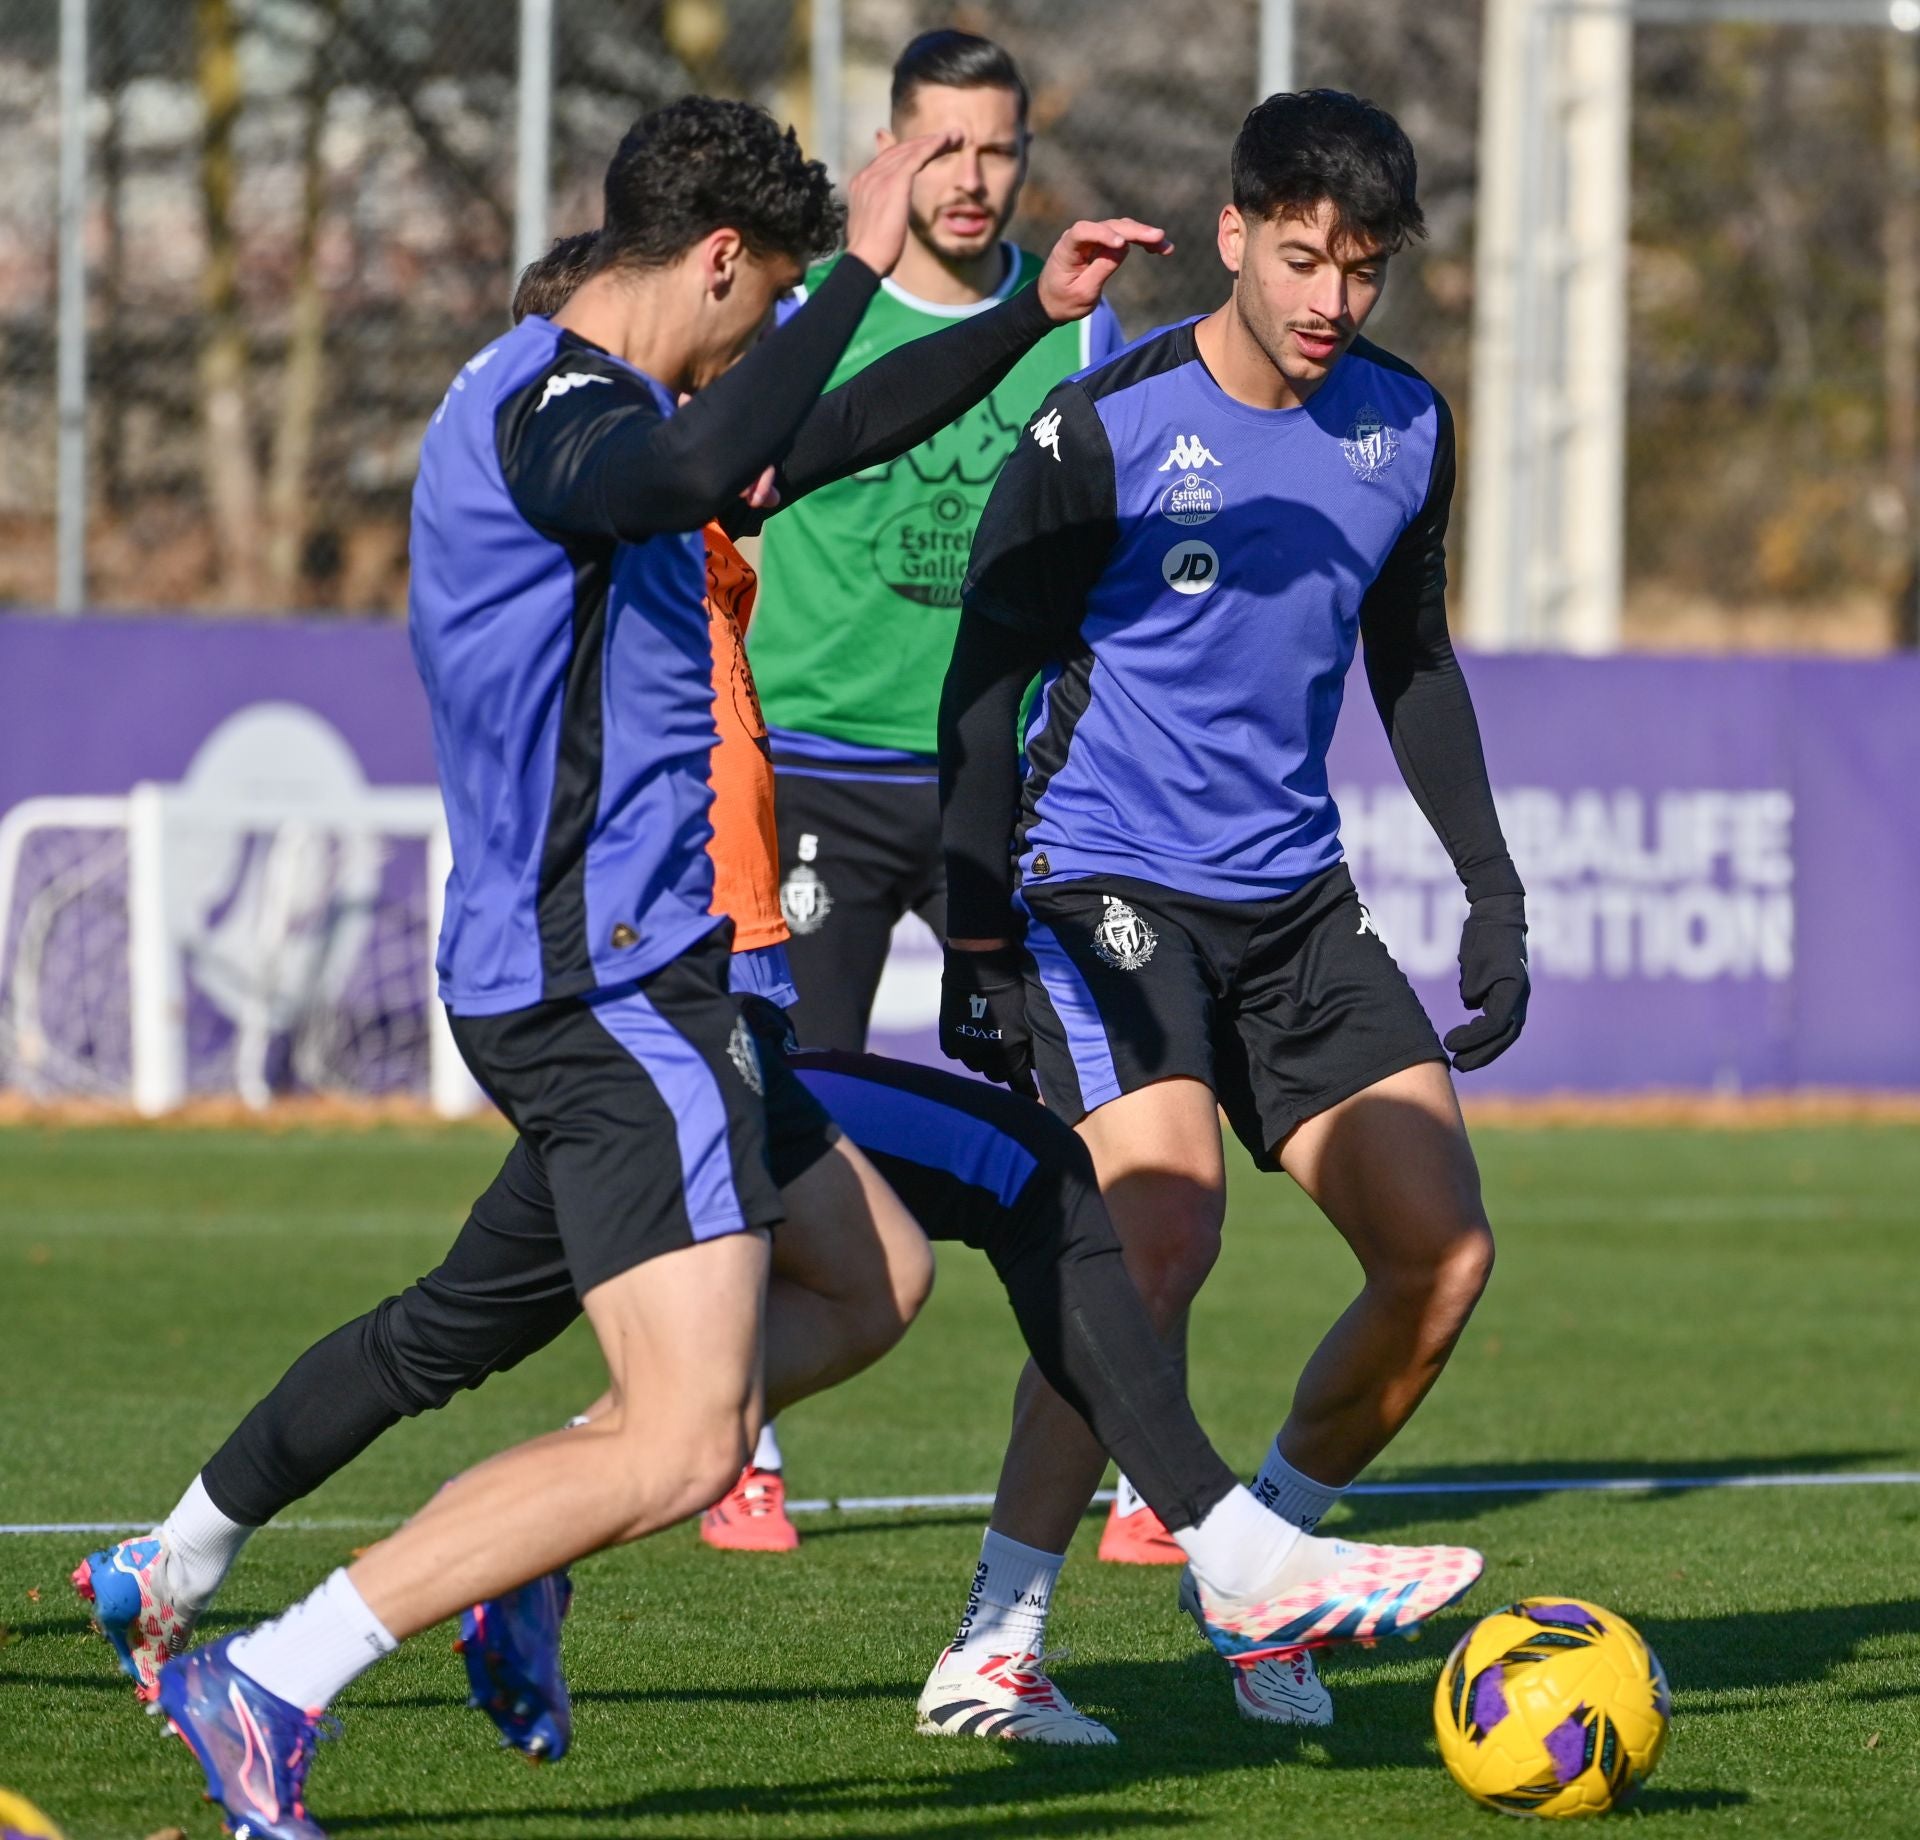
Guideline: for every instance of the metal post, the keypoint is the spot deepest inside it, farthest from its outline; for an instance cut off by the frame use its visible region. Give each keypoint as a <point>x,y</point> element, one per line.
<point>829,99</point>
<point>1276,47</point>
<point>70,541</point>
<point>533,133</point>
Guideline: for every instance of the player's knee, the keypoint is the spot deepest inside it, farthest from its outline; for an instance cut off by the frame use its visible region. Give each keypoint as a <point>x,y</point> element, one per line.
<point>416,1372</point>
<point>911,1269</point>
<point>1169,1269</point>
<point>1439,1284</point>
<point>661,1480</point>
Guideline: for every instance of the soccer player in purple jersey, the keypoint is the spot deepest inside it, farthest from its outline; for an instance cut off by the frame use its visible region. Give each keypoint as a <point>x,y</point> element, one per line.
<point>1157,921</point>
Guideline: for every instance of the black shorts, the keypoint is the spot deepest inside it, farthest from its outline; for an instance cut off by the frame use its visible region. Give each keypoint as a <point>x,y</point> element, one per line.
<point>855,854</point>
<point>644,1108</point>
<point>1282,1007</point>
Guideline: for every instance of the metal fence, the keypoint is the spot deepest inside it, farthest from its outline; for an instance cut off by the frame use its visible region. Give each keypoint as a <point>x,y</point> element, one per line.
<point>298,216</point>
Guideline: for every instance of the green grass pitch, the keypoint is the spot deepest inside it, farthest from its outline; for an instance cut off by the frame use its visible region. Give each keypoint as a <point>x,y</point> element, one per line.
<point>1666,1303</point>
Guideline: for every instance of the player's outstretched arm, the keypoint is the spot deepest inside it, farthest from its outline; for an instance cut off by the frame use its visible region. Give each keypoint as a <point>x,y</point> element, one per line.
<point>914,391</point>
<point>606,464</point>
<point>1421,694</point>
<point>1042,543</point>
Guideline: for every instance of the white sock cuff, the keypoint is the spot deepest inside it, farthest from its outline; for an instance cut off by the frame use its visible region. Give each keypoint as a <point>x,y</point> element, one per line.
<point>1014,1570</point>
<point>766,1453</point>
<point>310,1654</point>
<point>203,1544</point>
<point>1126,1498</point>
<point>1239,1545</point>
<point>1293,1495</point>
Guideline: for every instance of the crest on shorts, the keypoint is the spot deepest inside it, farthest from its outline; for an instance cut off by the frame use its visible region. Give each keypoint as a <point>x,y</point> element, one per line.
<point>1123,939</point>
<point>1371,446</point>
<point>804,899</point>
<point>744,1052</point>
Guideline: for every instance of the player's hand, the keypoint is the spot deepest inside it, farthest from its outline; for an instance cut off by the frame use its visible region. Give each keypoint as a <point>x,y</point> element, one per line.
<point>878,196</point>
<point>983,1016</point>
<point>1082,263</point>
<point>763,494</point>
<point>1493,980</point>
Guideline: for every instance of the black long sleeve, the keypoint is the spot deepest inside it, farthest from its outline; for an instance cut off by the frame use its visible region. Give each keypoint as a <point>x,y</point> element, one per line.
<point>911,394</point>
<point>980,771</point>
<point>1048,529</point>
<point>586,452</point>
<point>1421,692</point>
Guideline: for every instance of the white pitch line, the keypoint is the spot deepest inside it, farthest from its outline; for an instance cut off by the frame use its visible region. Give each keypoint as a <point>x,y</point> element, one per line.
<point>902,1504</point>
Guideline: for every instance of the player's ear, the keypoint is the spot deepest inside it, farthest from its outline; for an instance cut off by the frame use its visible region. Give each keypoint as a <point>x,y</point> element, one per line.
<point>883,138</point>
<point>721,255</point>
<point>1232,238</point>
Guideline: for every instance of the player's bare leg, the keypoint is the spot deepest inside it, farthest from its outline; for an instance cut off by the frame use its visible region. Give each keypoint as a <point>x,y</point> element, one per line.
<point>1392,1169</point>
<point>681,1339</point>
<point>851,1269</point>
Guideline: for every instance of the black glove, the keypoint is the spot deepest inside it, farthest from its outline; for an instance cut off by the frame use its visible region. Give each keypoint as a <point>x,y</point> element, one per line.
<point>983,1016</point>
<point>1493,979</point>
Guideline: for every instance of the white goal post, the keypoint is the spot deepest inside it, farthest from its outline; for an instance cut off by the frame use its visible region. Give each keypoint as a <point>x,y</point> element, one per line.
<point>174,943</point>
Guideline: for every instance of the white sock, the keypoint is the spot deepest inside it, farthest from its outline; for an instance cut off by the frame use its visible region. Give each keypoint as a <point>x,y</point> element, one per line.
<point>766,1453</point>
<point>308,1656</point>
<point>1007,1607</point>
<point>1292,1495</point>
<point>202,1544</point>
<point>1239,1546</point>
<point>1126,1498</point>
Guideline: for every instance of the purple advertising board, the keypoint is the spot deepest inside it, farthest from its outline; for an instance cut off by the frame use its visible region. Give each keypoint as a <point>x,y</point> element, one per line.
<point>1722,855</point>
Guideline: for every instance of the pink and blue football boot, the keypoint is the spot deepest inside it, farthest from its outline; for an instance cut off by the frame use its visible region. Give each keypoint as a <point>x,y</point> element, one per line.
<point>126,1588</point>
<point>1368,1593</point>
<point>254,1747</point>
<point>511,1646</point>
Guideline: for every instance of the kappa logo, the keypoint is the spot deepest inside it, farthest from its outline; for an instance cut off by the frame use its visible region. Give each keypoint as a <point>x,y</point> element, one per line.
<point>1191,567</point>
<point>1123,939</point>
<point>1370,445</point>
<point>564,382</point>
<point>1366,925</point>
<point>744,1052</point>
<point>1046,432</point>
<point>1189,454</point>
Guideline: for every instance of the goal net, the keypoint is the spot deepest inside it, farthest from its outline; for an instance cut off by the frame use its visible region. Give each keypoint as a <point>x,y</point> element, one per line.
<point>169,945</point>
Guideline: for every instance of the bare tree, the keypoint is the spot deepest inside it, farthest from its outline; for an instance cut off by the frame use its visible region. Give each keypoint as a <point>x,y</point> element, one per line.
<point>227,463</point>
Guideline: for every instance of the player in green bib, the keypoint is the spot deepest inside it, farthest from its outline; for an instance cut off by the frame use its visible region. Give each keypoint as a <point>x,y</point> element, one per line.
<point>860,583</point>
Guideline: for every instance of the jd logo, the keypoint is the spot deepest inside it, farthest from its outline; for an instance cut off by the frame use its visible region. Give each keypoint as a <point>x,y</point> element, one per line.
<point>1191,567</point>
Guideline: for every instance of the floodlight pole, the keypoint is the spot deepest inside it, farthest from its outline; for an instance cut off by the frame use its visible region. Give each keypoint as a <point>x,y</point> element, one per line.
<point>70,363</point>
<point>829,55</point>
<point>533,133</point>
<point>1276,47</point>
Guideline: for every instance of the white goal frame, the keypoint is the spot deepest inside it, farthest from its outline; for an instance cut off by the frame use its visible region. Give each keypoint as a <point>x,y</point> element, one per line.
<point>157,995</point>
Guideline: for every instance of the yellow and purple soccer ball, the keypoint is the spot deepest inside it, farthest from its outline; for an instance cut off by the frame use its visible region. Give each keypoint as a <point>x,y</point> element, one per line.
<point>20,1820</point>
<point>1553,1708</point>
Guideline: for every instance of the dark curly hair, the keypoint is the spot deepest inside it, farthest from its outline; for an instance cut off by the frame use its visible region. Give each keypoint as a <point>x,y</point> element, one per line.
<point>1296,149</point>
<point>547,284</point>
<point>700,165</point>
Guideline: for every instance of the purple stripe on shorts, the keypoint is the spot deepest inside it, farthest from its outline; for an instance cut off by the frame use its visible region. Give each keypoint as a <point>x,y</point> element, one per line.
<point>683,1079</point>
<point>917,1129</point>
<point>1079,1015</point>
